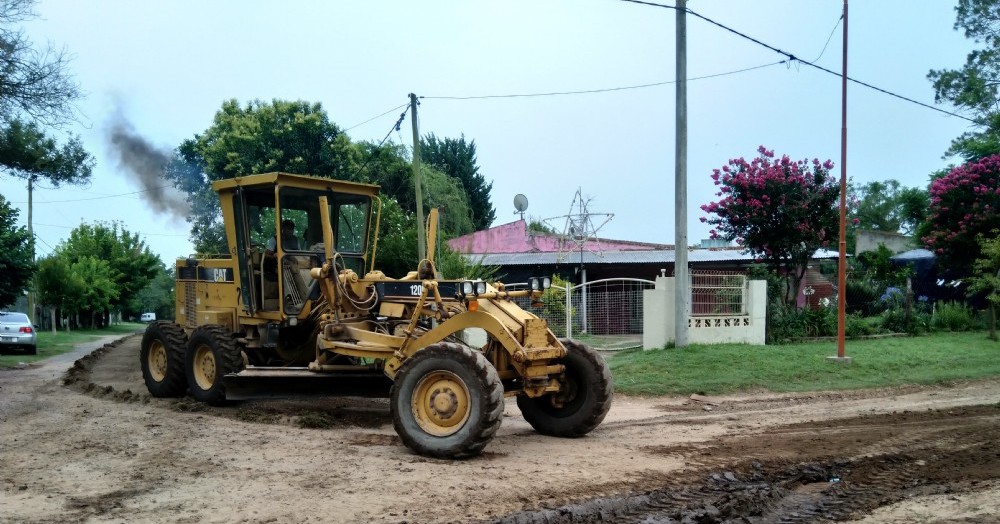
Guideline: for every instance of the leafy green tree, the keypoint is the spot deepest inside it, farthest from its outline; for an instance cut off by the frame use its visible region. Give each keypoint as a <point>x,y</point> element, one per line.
<point>293,137</point>
<point>99,289</point>
<point>974,87</point>
<point>446,194</point>
<point>889,206</point>
<point>985,280</point>
<point>27,153</point>
<point>965,203</point>
<point>16,265</point>
<point>780,210</point>
<point>396,252</point>
<point>157,296</point>
<point>58,288</point>
<point>457,159</point>
<point>259,137</point>
<point>130,262</point>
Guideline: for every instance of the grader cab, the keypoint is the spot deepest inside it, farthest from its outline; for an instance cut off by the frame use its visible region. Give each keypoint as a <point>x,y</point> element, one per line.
<point>297,302</point>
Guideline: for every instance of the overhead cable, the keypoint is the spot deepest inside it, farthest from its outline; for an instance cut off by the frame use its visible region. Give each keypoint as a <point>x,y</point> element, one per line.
<point>792,57</point>
<point>601,90</point>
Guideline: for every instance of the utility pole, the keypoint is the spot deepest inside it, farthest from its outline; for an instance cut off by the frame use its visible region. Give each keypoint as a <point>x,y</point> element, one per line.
<point>842,259</point>
<point>421,248</point>
<point>682,283</point>
<point>31,236</point>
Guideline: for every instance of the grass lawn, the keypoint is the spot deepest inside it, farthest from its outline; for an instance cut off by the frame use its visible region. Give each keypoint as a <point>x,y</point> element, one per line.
<point>727,368</point>
<point>50,345</point>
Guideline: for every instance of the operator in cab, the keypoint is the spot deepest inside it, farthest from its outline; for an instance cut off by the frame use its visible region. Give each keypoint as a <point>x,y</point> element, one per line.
<point>289,242</point>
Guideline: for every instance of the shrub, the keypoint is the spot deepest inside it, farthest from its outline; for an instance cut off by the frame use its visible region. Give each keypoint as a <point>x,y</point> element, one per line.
<point>857,325</point>
<point>955,316</point>
<point>863,295</point>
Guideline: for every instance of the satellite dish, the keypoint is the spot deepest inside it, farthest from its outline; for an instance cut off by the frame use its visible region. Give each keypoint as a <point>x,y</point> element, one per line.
<point>520,203</point>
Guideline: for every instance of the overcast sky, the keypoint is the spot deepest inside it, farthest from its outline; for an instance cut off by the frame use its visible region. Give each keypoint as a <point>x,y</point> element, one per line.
<point>168,66</point>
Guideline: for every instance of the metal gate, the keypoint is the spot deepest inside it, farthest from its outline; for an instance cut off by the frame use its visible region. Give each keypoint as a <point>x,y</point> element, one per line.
<point>605,314</point>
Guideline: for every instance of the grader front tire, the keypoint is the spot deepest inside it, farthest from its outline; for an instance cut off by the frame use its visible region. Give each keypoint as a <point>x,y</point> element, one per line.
<point>161,357</point>
<point>447,401</point>
<point>211,355</point>
<point>583,402</point>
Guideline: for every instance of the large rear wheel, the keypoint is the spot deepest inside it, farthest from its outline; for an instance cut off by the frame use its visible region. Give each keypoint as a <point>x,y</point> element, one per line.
<point>161,357</point>
<point>211,355</point>
<point>447,401</point>
<point>581,404</point>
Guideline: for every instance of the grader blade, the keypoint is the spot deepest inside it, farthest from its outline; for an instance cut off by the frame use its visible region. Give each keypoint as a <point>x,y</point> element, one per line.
<point>258,383</point>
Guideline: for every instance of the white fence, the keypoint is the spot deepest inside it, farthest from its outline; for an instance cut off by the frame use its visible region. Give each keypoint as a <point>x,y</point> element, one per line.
<point>723,323</point>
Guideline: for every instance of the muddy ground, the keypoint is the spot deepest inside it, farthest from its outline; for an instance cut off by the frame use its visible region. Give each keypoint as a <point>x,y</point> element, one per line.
<point>91,446</point>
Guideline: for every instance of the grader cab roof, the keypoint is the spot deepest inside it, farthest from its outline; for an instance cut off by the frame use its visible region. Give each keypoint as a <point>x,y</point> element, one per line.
<point>290,180</point>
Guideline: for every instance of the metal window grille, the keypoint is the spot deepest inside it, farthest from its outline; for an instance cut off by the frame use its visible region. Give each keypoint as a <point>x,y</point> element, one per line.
<point>718,293</point>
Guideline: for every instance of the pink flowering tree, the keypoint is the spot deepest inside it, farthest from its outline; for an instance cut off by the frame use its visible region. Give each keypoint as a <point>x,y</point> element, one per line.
<point>965,203</point>
<point>780,210</point>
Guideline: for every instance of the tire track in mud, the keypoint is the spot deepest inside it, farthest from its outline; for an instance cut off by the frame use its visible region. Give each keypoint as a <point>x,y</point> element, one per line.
<point>804,473</point>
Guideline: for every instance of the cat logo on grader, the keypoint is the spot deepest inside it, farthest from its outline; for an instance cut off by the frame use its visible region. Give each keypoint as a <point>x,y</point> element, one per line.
<point>291,311</point>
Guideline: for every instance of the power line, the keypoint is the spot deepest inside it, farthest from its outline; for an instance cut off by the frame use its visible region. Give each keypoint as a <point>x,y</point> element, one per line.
<point>137,232</point>
<point>95,198</point>
<point>834,30</point>
<point>792,57</point>
<point>380,115</point>
<point>395,127</point>
<point>601,90</point>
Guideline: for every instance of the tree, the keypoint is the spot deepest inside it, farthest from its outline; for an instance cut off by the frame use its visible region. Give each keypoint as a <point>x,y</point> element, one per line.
<point>26,152</point>
<point>158,296</point>
<point>58,288</point>
<point>98,286</point>
<point>396,252</point>
<point>16,265</point>
<point>130,262</point>
<point>781,210</point>
<point>986,276</point>
<point>33,82</point>
<point>965,203</point>
<point>293,137</point>
<point>457,159</point>
<point>974,87</point>
<point>890,207</point>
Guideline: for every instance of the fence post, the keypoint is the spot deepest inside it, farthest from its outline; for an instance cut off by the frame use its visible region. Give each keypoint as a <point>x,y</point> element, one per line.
<point>569,311</point>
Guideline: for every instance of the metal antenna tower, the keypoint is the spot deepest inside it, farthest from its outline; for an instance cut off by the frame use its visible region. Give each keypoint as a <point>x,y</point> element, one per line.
<point>578,227</point>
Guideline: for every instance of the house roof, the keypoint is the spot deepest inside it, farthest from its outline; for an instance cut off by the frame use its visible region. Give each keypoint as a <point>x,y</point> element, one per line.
<point>659,256</point>
<point>516,238</point>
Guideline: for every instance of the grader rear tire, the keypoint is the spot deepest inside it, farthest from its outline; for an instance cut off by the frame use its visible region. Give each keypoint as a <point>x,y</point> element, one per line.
<point>211,355</point>
<point>161,357</point>
<point>447,401</point>
<point>582,404</point>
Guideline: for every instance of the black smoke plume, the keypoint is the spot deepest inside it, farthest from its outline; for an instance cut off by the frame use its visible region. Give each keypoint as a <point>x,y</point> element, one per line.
<point>146,164</point>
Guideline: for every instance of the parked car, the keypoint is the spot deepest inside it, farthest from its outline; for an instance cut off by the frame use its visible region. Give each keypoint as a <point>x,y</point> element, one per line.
<point>16,332</point>
<point>147,317</point>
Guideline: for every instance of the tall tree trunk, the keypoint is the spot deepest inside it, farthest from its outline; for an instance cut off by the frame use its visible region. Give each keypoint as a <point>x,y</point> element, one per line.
<point>52,316</point>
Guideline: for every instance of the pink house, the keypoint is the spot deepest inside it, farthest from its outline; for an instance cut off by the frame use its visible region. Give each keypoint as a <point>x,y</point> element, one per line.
<point>516,238</point>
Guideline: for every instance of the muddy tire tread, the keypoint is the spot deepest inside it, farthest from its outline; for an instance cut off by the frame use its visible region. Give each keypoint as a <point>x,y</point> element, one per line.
<point>492,400</point>
<point>174,341</point>
<point>573,427</point>
<point>227,360</point>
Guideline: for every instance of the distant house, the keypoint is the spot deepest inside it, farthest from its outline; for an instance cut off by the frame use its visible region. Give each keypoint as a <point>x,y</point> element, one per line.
<point>520,254</point>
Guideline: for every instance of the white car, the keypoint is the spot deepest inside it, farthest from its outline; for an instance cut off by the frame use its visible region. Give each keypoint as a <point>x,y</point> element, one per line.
<point>16,332</point>
<point>147,317</point>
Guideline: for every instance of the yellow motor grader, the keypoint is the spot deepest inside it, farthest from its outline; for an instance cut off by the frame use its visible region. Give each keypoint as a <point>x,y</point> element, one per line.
<point>297,304</point>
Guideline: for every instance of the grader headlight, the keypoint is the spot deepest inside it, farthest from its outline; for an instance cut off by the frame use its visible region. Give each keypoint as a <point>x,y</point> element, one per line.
<point>472,288</point>
<point>539,283</point>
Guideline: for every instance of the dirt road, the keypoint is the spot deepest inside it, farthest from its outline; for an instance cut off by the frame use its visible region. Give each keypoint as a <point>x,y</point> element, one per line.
<point>99,449</point>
